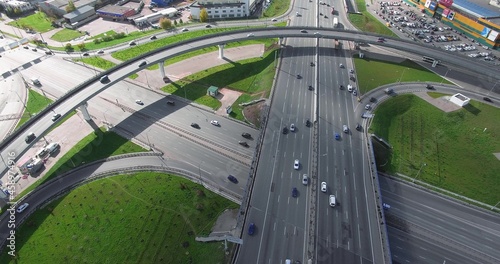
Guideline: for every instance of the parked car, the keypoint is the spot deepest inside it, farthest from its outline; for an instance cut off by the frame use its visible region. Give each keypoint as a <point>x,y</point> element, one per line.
<point>22,207</point>
<point>251,229</point>
<point>55,117</point>
<point>30,137</point>
<point>232,179</point>
<point>323,187</point>
<point>195,125</point>
<point>246,135</point>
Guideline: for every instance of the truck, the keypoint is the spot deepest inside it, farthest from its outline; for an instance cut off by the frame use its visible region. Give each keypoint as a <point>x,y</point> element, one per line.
<point>335,22</point>
<point>337,44</point>
<point>333,10</point>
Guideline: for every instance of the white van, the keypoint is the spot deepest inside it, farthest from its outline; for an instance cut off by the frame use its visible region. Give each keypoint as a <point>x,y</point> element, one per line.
<point>332,201</point>
<point>52,147</point>
<point>35,81</point>
<point>287,261</point>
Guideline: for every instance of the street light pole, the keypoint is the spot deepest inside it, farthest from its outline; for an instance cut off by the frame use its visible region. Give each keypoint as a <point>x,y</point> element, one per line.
<point>402,74</point>
<point>199,171</point>
<point>445,75</point>
<point>423,164</point>
<point>493,88</point>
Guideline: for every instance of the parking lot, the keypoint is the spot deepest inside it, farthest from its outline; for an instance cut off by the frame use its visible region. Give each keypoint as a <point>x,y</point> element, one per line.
<point>430,31</point>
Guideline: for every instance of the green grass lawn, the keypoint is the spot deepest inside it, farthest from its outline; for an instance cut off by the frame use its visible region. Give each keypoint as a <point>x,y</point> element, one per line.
<point>276,8</point>
<point>456,147</point>
<point>249,76</point>
<point>36,103</point>
<point>367,23</point>
<point>38,21</point>
<point>101,63</point>
<point>138,218</point>
<point>66,35</point>
<point>97,145</point>
<point>107,33</point>
<point>373,73</point>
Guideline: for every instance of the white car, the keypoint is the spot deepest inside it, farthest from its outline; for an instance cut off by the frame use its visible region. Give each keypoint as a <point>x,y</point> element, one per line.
<point>184,30</point>
<point>332,200</point>
<point>368,107</point>
<point>341,65</point>
<point>215,123</point>
<point>345,129</point>
<point>21,208</point>
<point>349,88</point>
<point>296,164</point>
<point>351,71</point>
<point>292,127</point>
<point>323,187</point>
<point>274,19</point>
<point>250,35</point>
<point>305,180</point>
<point>139,102</point>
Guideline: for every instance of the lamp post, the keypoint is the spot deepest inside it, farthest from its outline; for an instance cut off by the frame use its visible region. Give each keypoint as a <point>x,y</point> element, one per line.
<point>493,88</point>
<point>445,75</point>
<point>199,171</point>
<point>423,164</point>
<point>402,74</point>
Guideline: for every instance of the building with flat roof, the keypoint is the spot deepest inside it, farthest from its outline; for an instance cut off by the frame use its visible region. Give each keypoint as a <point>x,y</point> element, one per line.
<point>476,19</point>
<point>116,13</point>
<point>154,17</point>
<point>58,7</point>
<point>79,15</point>
<point>13,4</point>
<point>221,9</point>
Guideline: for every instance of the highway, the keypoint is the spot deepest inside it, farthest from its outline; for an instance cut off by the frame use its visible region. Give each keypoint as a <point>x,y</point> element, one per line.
<point>455,231</point>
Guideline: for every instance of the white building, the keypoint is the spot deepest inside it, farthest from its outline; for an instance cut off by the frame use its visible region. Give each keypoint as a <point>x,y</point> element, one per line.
<point>21,5</point>
<point>220,9</point>
<point>155,17</point>
<point>460,99</point>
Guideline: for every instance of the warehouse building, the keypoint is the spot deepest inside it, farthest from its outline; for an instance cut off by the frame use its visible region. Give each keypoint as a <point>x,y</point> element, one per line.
<point>80,17</point>
<point>477,19</point>
<point>116,13</point>
<point>154,17</point>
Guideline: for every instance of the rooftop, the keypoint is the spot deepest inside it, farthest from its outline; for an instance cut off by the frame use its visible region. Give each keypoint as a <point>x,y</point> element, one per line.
<point>479,8</point>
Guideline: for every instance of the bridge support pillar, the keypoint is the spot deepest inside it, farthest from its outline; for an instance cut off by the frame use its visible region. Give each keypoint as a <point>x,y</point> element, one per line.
<point>162,69</point>
<point>280,41</point>
<point>85,112</point>
<point>221,51</point>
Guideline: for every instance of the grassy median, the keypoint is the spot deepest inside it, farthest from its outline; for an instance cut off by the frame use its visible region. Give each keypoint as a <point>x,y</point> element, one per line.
<point>454,150</point>
<point>139,218</point>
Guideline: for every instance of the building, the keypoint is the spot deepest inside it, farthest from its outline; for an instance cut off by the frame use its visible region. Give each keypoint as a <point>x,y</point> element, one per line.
<point>460,99</point>
<point>221,9</point>
<point>58,7</point>
<point>14,4</point>
<point>213,91</point>
<point>116,13</point>
<point>80,17</point>
<point>476,19</point>
<point>154,17</point>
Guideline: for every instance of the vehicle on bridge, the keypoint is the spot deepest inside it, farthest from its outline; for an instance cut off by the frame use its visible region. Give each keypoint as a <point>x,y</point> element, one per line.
<point>335,22</point>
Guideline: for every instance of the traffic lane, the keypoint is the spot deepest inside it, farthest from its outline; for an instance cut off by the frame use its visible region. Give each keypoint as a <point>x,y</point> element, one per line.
<point>406,248</point>
<point>441,204</point>
<point>450,226</point>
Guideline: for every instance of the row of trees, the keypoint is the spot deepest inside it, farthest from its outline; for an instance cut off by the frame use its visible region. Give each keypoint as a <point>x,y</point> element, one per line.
<point>166,23</point>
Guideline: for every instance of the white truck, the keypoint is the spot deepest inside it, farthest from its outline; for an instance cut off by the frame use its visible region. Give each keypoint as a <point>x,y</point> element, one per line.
<point>335,22</point>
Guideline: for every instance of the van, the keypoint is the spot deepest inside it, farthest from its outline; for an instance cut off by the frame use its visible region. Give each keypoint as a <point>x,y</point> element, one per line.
<point>52,147</point>
<point>104,79</point>
<point>332,200</point>
<point>287,261</point>
<point>41,153</point>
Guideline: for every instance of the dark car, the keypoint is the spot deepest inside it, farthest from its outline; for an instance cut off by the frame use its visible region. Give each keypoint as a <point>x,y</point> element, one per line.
<point>308,123</point>
<point>429,86</point>
<point>30,137</point>
<point>208,26</point>
<point>232,179</point>
<point>55,117</point>
<point>104,79</point>
<point>153,37</point>
<point>48,52</point>
<point>195,125</point>
<point>337,136</point>
<point>358,127</point>
<point>143,63</point>
<point>311,88</point>
<point>487,99</point>
<point>299,77</point>
<point>251,229</point>
<point>341,87</point>
<point>34,49</point>
<point>170,102</point>
<point>285,130</point>
<point>246,135</point>
<point>312,64</point>
<point>243,143</point>
<point>26,47</point>
<point>85,54</point>
<point>295,193</point>
<point>373,99</point>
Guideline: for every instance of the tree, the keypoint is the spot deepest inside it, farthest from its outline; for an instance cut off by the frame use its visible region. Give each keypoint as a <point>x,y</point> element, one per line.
<point>70,7</point>
<point>203,15</point>
<point>165,23</point>
<point>180,21</point>
<point>68,47</point>
<point>81,46</point>
<point>175,22</point>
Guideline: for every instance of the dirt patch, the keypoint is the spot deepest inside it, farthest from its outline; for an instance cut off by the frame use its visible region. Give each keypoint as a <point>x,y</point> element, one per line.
<point>252,113</point>
<point>442,103</point>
